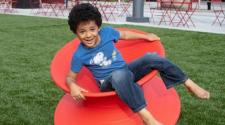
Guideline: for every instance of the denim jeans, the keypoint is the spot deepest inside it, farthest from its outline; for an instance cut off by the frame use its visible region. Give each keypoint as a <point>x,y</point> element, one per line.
<point>123,81</point>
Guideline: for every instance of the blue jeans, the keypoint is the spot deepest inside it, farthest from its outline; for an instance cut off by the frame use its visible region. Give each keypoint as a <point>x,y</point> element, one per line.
<point>123,81</point>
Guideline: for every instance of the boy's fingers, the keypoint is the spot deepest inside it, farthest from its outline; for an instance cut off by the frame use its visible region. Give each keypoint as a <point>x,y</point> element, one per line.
<point>79,98</point>
<point>83,90</point>
<point>82,96</point>
<point>75,98</point>
<point>153,37</point>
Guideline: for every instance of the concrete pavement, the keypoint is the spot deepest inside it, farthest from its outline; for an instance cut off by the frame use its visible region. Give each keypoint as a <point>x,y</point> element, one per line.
<point>202,18</point>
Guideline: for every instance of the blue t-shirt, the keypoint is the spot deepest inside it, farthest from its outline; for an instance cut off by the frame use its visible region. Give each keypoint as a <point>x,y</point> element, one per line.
<point>102,59</point>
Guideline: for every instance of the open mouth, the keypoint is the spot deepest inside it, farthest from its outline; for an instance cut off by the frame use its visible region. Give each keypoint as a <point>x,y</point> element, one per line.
<point>89,40</point>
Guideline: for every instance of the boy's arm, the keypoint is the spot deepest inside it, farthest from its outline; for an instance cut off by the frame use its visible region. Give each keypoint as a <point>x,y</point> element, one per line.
<point>75,90</point>
<point>133,35</point>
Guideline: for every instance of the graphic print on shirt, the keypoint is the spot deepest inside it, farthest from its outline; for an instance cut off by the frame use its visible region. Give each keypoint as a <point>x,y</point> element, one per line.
<point>101,60</point>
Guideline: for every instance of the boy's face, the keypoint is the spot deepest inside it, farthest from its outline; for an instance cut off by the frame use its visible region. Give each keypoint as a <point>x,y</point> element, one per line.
<point>87,32</point>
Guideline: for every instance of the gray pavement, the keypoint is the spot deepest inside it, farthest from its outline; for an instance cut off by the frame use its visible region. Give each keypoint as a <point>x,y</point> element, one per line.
<point>202,18</point>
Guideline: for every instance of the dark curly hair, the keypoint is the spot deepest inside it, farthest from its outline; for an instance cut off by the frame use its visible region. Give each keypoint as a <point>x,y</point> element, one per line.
<point>84,12</point>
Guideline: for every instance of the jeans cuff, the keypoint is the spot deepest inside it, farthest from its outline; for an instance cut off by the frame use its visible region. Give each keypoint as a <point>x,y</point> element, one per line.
<point>177,83</point>
<point>139,108</point>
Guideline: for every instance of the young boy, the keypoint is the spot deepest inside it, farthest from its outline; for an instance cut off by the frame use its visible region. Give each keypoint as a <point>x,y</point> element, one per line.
<point>97,52</point>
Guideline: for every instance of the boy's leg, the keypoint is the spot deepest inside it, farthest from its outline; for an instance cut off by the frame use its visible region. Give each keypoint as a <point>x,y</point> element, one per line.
<point>197,90</point>
<point>169,72</point>
<point>122,81</point>
<point>148,118</point>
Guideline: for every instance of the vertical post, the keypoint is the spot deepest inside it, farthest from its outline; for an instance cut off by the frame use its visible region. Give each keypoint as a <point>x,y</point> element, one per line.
<point>209,5</point>
<point>138,12</point>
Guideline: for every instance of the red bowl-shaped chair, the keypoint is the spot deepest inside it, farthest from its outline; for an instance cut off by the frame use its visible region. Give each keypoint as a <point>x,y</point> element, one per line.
<point>130,49</point>
<point>105,108</point>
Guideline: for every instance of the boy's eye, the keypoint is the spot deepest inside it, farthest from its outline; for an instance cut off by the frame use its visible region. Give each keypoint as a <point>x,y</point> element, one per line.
<point>81,32</point>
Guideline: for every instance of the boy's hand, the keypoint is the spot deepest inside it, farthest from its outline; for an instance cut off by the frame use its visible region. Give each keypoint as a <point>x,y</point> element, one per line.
<point>152,37</point>
<point>76,92</point>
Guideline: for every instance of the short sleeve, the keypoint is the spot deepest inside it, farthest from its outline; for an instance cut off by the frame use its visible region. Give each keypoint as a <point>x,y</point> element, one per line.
<point>76,64</point>
<point>113,34</point>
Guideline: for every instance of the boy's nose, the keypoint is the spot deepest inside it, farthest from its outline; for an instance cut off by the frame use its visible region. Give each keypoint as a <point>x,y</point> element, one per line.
<point>88,34</point>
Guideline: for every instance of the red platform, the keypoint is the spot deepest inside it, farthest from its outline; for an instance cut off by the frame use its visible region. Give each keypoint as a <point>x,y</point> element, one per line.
<point>105,108</point>
<point>164,105</point>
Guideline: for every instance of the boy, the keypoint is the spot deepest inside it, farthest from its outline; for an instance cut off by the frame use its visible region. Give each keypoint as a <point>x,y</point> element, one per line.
<point>98,53</point>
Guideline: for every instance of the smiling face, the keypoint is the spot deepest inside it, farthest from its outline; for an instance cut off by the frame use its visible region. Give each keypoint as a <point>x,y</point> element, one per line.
<point>87,32</point>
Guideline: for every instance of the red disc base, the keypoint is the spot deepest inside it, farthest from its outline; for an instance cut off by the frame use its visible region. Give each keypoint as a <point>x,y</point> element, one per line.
<point>162,103</point>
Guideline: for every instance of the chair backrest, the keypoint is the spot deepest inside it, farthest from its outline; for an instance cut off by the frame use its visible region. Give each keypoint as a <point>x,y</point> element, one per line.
<point>176,4</point>
<point>52,1</point>
<point>213,1</point>
<point>164,3</point>
<point>183,4</point>
<point>130,50</point>
<point>217,5</point>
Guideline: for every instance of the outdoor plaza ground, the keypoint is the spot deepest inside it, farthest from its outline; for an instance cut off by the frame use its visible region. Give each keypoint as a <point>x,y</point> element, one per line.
<point>198,18</point>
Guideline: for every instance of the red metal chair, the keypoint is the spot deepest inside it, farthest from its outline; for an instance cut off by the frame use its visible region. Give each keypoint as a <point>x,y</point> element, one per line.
<point>35,5</point>
<point>108,9</point>
<point>159,13</point>
<point>185,10</point>
<point>167,9</point>
<point>45,8</point>
<point>93,2</point>
<point>219,11</point>
<point>57,7</point>
<point>52,8</point>
<point>3,6</point>
<point>7,6</point>
<point>112,9</point>
<point>69,5</point>
<point>179,12</point>
<point>60,7</point>
<point>123,7</point>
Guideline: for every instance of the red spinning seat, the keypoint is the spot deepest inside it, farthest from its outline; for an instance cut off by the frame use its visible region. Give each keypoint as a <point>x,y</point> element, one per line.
<point>130,49</point>
<point>105,108</point>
